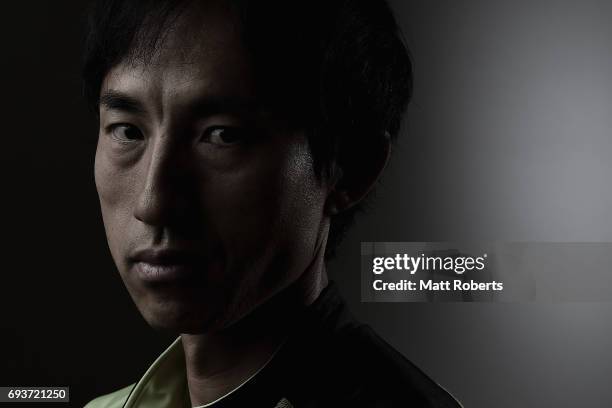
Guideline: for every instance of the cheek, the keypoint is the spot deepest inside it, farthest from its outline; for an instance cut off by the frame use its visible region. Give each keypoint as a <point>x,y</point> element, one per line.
<point>270,204</point>
<point>300,212</point>
<point>113,194</point>
<point>114,177</point>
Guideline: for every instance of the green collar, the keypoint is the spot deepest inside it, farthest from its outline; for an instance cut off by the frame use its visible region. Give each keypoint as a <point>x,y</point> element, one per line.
<point>164,384</point>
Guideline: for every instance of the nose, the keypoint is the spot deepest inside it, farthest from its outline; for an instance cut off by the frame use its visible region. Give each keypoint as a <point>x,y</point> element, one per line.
<point>163,197</point>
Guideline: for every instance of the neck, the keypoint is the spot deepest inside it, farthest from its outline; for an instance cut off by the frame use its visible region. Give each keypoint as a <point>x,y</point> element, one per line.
<point>220,361</point>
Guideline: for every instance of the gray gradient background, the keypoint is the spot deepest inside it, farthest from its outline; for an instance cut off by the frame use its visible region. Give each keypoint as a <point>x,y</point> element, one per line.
<point>508,139</point>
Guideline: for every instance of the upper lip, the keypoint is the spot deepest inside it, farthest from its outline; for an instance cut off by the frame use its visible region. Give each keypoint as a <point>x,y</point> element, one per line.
<point>166,256</point>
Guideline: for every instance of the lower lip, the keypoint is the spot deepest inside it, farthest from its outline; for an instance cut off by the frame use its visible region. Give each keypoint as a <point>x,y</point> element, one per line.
<point>156,273</point>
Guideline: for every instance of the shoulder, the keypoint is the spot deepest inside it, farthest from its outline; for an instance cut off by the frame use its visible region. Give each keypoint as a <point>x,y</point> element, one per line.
<point>378,375</point>
<point>348,364</point>
<point>115,399</point>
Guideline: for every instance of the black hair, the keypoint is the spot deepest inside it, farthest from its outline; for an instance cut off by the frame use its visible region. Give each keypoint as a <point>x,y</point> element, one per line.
<point>336,68</point>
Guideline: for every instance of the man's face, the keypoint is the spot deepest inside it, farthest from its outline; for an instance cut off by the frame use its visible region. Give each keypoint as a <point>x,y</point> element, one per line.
<point>210,203</point>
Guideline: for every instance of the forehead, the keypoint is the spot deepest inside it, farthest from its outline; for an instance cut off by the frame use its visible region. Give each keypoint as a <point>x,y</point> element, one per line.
<point>200,51</point>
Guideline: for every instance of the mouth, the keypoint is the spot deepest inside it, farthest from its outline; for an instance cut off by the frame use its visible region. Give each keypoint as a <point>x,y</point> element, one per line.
<point>167,265</point>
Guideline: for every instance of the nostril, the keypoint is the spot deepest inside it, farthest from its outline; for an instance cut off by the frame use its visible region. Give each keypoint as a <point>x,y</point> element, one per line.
<point>149,208</point>
<point>163,201</point>
<point>156,199</point>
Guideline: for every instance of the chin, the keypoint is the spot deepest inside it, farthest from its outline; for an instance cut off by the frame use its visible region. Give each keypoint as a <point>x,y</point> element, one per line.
<point>181,318</point>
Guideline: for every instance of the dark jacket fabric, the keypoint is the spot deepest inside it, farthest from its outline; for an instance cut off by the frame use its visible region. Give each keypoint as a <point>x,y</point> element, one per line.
<point>328,360</point>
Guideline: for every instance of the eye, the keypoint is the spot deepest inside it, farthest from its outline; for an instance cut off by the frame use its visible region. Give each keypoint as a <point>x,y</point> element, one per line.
<point>224,135</point>
<point>125,133</point>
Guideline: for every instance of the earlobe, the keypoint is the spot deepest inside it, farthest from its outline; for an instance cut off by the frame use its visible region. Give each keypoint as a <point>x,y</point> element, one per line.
<point>352,183</point>
<point>336,199</point>
<point>337,202</point>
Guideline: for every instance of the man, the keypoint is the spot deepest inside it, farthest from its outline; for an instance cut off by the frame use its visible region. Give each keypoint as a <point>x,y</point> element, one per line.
<point>237,138</point>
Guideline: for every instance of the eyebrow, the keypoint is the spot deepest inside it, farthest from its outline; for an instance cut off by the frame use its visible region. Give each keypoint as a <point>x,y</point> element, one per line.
<point>214,105</point>
<point>115,100</point>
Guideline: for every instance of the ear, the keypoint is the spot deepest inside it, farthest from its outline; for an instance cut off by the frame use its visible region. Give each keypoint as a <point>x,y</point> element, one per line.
<point>353,180</point>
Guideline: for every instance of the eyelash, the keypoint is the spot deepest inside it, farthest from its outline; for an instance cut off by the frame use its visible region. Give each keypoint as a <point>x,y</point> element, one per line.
<point>125,140</point>
<point>241,134</point>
